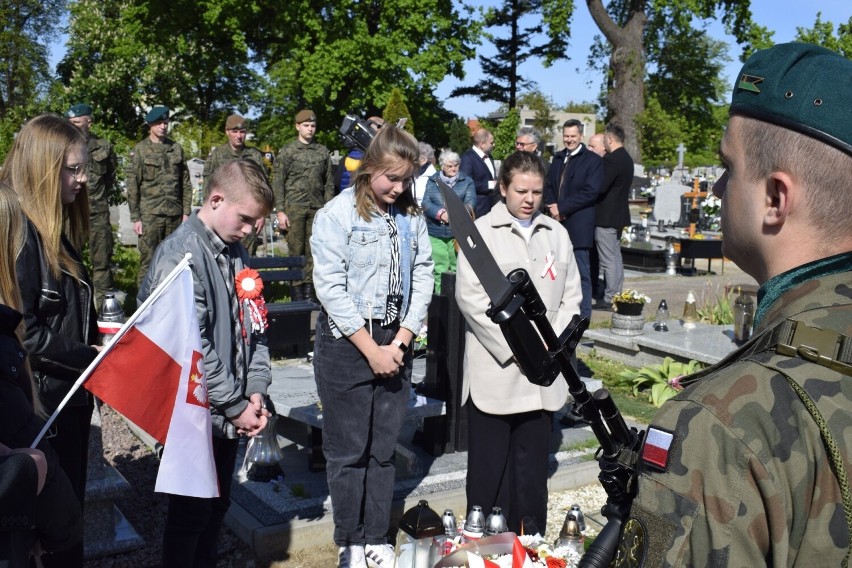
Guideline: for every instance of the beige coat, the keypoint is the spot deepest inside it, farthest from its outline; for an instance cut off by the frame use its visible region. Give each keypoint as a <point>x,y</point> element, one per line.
<point>491,377</point>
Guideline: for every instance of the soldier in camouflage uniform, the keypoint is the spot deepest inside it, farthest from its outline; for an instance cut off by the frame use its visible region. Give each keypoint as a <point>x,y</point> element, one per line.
<point>750,464</point>
<point>235,149</point>
<point>102,167</point>
<point>159,192</point>
<point>303,182</point>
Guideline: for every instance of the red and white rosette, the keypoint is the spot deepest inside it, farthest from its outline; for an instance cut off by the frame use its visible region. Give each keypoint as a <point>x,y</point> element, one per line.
<point>473,553</point>
<point>250,293</point>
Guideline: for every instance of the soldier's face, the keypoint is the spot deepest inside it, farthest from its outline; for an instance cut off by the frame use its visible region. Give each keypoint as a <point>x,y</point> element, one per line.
<point>81,122</point>
<point>306,130</point>
<point>742,198</point>
<point>159,128</point>
<point>237,137</point>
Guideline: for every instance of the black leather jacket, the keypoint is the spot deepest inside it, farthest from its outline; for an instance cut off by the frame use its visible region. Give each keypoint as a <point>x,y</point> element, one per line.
<point>61,323</point>
<point>55,514</point>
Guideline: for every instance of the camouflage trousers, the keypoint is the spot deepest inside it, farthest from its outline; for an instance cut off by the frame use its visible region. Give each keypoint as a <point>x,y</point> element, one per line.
<point>100,254</point>
<point>155,229</point>
<point>299,238</point>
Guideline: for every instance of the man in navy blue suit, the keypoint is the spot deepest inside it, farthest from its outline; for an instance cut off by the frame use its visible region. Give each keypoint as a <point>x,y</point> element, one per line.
<point>477,164</point>
<point>570,194</point>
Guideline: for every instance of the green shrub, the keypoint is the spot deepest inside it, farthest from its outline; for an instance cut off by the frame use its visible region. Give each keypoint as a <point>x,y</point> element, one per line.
<point>716,308</point>
<point>661,381</point>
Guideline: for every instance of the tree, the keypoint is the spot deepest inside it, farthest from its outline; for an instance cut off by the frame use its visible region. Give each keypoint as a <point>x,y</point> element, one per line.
<point>503,80</point>
<point>504,135</point>
<point>26,27</point>
<point>626,25</point>
<point>191,56</point>
<point>823,34</point>
<point>346,56</point>
<point>543,121</point>
<point>460,138</point>
<point>396,109</point>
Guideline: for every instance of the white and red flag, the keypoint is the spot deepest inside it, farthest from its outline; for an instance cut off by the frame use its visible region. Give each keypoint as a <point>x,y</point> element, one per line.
<point>152,372</point>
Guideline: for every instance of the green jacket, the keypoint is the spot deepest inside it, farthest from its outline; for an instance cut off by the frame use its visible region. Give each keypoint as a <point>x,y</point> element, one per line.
<point>303,176</point>
<point>221,154</point>
<point>158,180</point>
<point>746,480</point>
<point>102,167</point>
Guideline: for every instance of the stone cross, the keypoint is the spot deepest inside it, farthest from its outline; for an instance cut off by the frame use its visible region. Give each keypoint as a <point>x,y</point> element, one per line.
<point>681,150</point>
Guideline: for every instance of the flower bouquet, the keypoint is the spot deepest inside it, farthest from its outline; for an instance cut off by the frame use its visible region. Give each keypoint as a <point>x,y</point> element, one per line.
<point>506,550</point>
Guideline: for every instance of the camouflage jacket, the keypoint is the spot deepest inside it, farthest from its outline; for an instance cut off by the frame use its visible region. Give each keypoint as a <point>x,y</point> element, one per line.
<point>221,154</point>
<point>158,180</point>
<point>102,167</point>
<point>303,176</point>
<point>738,474</point>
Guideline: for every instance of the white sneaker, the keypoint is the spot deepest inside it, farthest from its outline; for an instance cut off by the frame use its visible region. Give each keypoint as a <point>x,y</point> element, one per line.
<point>351,557</point>
<point>380,555</point>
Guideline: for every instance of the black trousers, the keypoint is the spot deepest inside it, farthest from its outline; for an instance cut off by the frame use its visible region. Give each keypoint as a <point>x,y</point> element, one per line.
<point>192,524</point>
<point>507,464</point>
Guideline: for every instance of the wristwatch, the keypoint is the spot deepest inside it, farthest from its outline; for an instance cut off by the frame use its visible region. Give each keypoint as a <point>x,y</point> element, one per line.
<point>402,346</point>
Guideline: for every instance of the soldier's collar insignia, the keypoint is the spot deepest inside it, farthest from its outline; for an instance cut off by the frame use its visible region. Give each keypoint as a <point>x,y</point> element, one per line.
<point>655,450</point>
<point>749,83</point>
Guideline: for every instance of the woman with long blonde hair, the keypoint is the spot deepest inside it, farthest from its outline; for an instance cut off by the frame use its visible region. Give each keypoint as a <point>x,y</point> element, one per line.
<point>57,519</point>
<point>47,169</point>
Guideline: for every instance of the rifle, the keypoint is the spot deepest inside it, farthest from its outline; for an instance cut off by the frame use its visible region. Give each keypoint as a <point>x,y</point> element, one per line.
<point>518,309</point>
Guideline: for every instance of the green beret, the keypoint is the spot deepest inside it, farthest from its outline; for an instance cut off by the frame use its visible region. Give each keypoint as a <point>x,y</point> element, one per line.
<point>799,86</point>
<point>80,109</point>
<point>305,116</point>
<point>157,113</point>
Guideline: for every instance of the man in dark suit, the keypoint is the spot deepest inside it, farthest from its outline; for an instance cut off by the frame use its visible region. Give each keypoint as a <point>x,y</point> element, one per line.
<point>612,212</point>
<point>570,193</point>
<point>477,164</point>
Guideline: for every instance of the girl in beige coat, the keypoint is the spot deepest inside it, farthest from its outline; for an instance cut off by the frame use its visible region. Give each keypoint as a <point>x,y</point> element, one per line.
<point>509,417</point>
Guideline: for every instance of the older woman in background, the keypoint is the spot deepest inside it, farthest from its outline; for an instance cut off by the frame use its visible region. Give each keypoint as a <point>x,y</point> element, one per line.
<point>437,219</point>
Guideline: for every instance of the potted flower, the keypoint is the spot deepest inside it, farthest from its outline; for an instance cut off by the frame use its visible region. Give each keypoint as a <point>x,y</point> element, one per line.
<point>629,302</point>
<point>711,207</point>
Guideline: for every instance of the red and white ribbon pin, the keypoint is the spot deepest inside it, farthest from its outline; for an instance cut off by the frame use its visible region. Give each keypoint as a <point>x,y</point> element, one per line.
<point>548,266</point>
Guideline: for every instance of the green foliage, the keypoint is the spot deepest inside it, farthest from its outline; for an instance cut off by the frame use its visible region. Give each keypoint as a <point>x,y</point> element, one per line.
<point>716,308</point>
<point>504,135</point>
<point>823,34</point>
<point>543,106</point>
<point>503,80</point>
<point>397,109</point>
<point>126,262</point>
<point>460,138</point>
<point>661,381</point>
<point>608,371</point>
<point>659,134</point>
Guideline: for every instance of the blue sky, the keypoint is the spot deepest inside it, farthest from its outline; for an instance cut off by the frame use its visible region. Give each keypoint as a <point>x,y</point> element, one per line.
<point>570,80</point>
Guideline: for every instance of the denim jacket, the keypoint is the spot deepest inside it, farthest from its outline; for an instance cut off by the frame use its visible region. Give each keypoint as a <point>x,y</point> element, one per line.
<point>351,265</point>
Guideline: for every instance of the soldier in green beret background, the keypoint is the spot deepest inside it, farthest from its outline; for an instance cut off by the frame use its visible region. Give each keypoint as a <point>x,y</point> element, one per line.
<point>158,188</point>
<point>102,168</point>
<point>236,128</point>
<point>750,464</point>
<point>303,181</point>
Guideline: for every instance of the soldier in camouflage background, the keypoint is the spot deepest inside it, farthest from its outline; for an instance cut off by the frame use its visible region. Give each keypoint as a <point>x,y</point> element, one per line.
<point>303,181</point>
<point>102,167</point>
<point>159,192</point>
<point>236,129</point>
<point>750,464</point>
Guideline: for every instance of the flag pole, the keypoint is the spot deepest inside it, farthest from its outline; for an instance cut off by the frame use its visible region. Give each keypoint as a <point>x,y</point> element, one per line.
<point>131,321</point>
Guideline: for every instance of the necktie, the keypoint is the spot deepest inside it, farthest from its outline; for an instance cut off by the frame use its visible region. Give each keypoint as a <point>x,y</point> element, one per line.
<point>564,173</point>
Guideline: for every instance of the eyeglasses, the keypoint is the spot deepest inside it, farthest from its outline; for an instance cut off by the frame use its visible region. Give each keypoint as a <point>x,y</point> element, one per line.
<point>80,171</point>
<point>521,145</point>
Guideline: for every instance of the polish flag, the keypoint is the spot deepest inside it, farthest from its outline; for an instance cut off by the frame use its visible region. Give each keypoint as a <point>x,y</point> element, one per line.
<point>655,452</point>
<point>153,374</point>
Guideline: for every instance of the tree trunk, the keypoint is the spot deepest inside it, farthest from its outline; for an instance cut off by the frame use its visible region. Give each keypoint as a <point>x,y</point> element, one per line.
<point>626,99</point>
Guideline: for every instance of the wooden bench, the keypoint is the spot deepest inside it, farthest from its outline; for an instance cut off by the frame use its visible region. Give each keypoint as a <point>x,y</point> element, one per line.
<point>289,322</point>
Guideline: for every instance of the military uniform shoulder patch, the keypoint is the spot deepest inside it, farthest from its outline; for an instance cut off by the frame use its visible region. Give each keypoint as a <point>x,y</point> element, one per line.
<point>655,450</point>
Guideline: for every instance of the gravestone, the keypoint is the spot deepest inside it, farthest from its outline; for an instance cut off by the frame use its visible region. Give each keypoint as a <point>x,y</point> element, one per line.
<point>667,203</point>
